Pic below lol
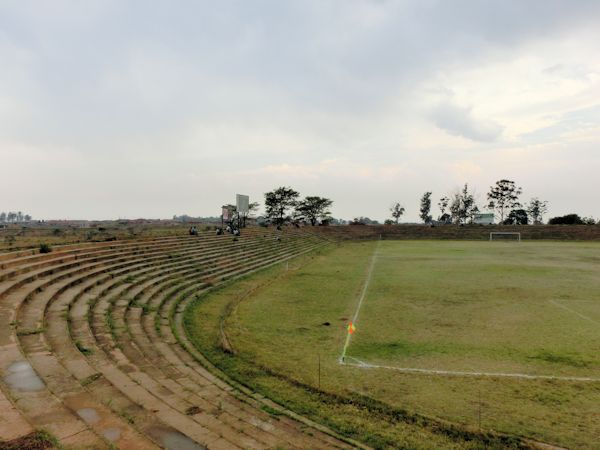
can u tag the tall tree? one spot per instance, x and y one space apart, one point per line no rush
463 206
397 210
516 217
279 202
426 207
2 217
314 208
504 196
443 204
536 210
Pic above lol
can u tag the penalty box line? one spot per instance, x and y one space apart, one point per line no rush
366 365
361 299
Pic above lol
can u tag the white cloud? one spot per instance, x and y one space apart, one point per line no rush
156 110
460 121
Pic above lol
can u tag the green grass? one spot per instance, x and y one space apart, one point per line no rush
342 408
461 306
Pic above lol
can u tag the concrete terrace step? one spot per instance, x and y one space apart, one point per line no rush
95 339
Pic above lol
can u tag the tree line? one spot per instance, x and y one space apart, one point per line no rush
14 217
503 200
284 205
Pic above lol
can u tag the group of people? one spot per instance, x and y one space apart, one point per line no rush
229 229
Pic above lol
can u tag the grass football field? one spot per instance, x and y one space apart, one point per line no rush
490 336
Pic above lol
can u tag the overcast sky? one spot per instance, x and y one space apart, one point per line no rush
133 109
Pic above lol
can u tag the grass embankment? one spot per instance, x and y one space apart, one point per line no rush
297 316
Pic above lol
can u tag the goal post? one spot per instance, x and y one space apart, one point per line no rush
505 236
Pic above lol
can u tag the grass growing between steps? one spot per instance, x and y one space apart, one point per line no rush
39 440
352 414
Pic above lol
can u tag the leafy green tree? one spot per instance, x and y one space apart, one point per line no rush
314 209
279 203
504 196
443 205
397 210
463 206
536 210
253 207
568 219
517 217
363 221
425 207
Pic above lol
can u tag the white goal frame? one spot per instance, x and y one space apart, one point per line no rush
505 233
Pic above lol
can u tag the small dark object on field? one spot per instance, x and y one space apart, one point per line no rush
192 410
45 248
326 324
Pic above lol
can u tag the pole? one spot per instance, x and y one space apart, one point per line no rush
479 411
319 371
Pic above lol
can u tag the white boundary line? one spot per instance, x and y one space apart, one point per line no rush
365 365
566 308
361 298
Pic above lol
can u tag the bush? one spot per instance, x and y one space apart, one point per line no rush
569 219
45 248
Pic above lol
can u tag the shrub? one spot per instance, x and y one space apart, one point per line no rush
45 248
569 219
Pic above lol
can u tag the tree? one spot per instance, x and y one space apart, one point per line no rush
314 208
463 206
253 207
279 202
425 207
569 219
11 216
27 217
397 210
536 210
363 221
2 217
517 217
443 204
504 196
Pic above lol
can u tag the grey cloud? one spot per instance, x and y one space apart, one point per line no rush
460 121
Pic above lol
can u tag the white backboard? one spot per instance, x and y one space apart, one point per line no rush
242 202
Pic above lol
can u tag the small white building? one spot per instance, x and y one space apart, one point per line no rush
483 218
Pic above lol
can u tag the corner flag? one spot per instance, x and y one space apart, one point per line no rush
351 328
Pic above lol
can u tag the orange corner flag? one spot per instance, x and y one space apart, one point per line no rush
351 328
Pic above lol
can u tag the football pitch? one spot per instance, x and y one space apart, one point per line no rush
522 310
497 336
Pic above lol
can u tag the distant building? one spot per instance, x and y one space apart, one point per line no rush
483 218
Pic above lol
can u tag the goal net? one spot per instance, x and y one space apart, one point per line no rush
505 236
